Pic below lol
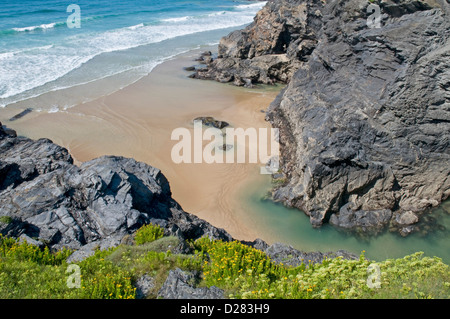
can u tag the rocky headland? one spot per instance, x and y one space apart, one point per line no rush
48 200
364 118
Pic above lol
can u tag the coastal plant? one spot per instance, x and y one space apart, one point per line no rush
245 272
27 271
225 264
23 251
6 219
413 276
148 233
101 279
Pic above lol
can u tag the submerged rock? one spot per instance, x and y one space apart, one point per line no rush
212 122
21 114
371 222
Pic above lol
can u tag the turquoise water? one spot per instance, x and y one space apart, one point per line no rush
291 226
39 53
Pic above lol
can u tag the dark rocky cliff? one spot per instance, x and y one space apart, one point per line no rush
365 116
46 199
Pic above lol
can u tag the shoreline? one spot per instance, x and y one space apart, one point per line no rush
137 122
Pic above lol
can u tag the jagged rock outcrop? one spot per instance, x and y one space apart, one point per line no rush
365 118
45 197
365 123
144 285
270 49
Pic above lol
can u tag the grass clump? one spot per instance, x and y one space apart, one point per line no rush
6 219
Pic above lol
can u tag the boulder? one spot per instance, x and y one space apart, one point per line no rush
287 255
372 222
180 285
211 122
406 218
144 286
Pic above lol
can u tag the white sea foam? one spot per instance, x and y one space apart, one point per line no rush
28 69
257 5
185 18
6 55
35 27
137 26
54 109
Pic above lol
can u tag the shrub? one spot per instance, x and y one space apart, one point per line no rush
26 271
22 251
226 264
6 219
148 233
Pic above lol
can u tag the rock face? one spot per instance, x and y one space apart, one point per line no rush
289 256
180 285
365 122
144 285
365 118
45 197
270 49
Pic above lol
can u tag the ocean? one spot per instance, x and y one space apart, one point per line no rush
51 45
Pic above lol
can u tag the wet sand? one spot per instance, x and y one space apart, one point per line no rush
137 121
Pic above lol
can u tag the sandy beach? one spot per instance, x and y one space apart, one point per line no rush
137 121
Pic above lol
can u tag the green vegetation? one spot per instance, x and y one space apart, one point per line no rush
6 219
148 233
246 272
27 271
